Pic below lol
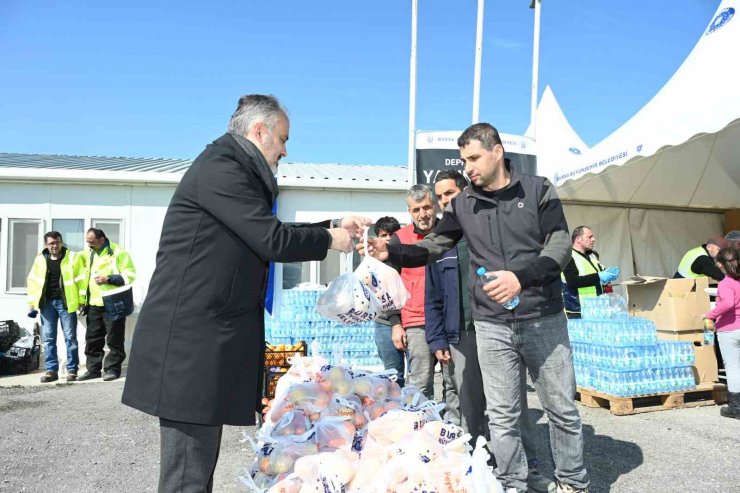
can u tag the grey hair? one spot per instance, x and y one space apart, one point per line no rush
255 108
419 192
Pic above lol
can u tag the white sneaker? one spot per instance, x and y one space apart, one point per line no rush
566 488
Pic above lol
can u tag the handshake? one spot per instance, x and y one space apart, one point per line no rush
609 275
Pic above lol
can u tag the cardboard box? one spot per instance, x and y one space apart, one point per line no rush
675 305
705 366
692 336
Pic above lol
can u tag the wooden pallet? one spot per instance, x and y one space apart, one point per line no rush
705 394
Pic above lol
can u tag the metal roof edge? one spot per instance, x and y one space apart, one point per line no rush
89 176
342 184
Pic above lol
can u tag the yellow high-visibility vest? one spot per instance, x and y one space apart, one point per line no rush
684 267
111 260
73 279
585 268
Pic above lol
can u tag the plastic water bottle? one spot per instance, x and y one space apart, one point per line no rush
486 278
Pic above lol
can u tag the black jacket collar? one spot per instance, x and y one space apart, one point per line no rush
249 150
478 193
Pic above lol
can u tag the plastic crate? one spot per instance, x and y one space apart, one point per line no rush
271 380
10 332
20 360
277 364
279 355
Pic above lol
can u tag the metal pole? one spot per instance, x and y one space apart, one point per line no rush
535 67
412 95
478 56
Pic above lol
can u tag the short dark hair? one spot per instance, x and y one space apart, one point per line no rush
98 233
485 133
577 233
388 224
728 259
53 234
452 174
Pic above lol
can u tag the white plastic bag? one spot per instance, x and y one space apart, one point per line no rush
349 301
383 281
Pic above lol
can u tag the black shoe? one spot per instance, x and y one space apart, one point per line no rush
88 375
49 376
111 375
731 410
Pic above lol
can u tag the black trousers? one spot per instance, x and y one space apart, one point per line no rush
101 331
188 456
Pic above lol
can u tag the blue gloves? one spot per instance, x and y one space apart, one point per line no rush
609 275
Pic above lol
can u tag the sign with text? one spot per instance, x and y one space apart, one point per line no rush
436 151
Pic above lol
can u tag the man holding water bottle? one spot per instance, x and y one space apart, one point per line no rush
515 228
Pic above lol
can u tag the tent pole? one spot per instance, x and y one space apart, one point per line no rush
412 95
535 67
478 57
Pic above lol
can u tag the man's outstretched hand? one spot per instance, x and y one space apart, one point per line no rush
377 248
355 225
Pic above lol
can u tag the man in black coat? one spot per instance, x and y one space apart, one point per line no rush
197 351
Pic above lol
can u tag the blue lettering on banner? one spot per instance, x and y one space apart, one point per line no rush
575 150
592 166
721 19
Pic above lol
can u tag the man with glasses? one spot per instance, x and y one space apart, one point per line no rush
55 285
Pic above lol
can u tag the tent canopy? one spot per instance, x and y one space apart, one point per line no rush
681 150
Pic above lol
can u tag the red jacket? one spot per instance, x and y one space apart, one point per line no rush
412 314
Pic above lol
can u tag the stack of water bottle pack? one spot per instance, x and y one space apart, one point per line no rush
298 321
620 355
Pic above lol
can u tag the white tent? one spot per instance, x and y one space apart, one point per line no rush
671 169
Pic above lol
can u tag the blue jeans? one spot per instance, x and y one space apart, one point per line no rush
391 357
542 345
51 312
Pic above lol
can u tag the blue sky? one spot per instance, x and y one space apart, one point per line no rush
160 79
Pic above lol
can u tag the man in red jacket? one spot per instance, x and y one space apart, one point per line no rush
409 335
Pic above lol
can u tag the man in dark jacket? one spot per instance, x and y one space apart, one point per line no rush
584 276
450 334
699 261
516 230
198 349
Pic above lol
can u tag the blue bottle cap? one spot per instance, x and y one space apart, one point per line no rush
481 271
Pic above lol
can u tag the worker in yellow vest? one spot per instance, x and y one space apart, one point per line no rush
699 261
584 276
110 272
55 285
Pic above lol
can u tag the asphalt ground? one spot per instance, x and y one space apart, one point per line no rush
79 438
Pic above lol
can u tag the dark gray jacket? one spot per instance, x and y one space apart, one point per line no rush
520 228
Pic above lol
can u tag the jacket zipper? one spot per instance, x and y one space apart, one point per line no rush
503 253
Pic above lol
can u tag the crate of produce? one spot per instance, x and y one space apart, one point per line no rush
279 355
277 362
